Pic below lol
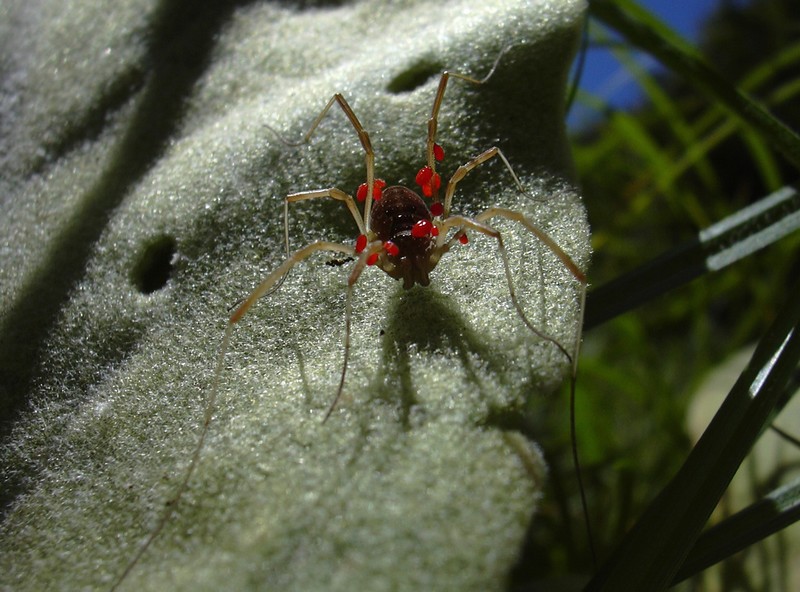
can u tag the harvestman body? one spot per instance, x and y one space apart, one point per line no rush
400 234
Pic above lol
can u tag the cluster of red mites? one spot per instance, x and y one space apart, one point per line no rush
377 190
429 182
388 246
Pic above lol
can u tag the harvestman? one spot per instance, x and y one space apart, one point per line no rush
398 233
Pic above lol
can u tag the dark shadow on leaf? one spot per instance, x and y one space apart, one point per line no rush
424 320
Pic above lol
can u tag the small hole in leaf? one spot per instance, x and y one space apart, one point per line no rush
413 77
155 265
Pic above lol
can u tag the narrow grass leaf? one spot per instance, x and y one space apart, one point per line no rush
696 71
654 550
776 511
750 229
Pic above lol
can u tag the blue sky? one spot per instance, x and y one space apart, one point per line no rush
606 78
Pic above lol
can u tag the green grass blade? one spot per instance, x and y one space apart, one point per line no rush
696 71
735 237
776 511
654 550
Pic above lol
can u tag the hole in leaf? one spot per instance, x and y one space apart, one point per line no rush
154 267
413 77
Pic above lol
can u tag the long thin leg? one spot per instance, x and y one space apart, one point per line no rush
373 247
567 261
478 224
433 120
539 233
363 137
282 269
332 193
462 222
262 289
462 171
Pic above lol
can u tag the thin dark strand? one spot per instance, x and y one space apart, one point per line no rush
579 65
785 435
282 140
573 435
172 503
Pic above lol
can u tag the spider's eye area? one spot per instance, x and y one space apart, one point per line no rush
428 181
361 243
437 208
377 190
438 153
391 248
372 259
